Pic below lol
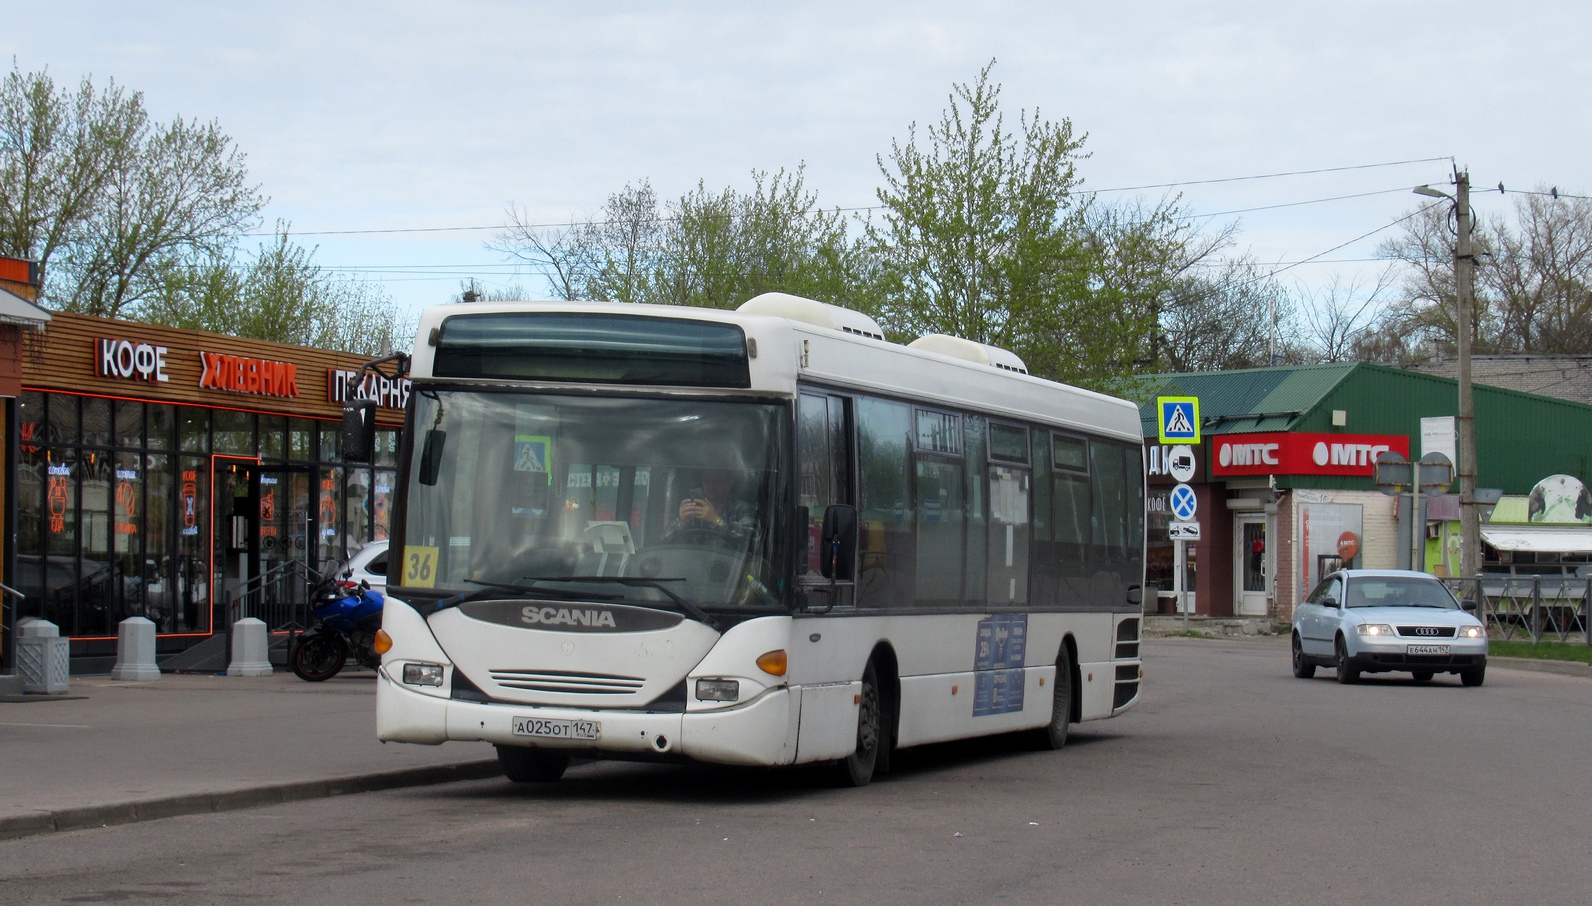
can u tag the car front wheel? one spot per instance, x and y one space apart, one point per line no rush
1347 672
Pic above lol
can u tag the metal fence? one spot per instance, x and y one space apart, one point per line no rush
279 596
1554 607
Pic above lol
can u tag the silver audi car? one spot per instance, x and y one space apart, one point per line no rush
1380 620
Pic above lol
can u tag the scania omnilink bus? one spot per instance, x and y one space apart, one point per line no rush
759 537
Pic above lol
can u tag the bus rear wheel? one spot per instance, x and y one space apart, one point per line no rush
523 764
856 769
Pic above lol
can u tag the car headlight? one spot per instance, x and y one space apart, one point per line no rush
1376 629
1470 632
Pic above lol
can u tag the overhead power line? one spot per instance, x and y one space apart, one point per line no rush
1163 185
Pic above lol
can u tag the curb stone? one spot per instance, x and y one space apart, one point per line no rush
43 821
1542 665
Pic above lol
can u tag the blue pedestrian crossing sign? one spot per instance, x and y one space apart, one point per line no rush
1178 418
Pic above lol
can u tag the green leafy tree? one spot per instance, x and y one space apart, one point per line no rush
708 249
280 294
981 235
108 201
58 151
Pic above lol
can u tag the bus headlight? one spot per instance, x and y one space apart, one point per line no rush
423 674
718 690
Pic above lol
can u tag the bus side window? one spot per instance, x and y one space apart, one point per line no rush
1010 514
887 562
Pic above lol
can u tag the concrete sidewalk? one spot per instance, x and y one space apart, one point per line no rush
185 744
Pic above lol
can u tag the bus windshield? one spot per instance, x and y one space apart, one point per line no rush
660 502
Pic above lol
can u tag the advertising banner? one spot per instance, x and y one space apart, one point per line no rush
1352 455
1329 538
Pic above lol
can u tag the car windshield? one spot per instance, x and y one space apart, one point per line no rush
1398 591
668 502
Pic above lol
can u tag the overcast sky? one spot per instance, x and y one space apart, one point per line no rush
392 115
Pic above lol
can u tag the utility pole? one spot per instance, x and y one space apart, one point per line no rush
1464 290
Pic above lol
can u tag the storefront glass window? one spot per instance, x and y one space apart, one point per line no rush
329 515
357 506
129 424
331 437
234 432
386 447
301 440
194 428
192 585
381 502
95 585
161 422
97 422
62 419
273 437
158 598
127 523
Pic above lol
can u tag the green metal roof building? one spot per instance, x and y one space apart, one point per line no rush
1520 437
1264 525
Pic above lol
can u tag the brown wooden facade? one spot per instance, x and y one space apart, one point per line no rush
63 358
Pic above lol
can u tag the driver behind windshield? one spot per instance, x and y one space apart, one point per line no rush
714 506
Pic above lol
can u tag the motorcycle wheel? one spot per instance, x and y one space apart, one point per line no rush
319 657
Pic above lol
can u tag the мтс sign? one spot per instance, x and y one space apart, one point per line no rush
1178 418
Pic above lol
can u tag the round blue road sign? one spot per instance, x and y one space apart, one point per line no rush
1184 502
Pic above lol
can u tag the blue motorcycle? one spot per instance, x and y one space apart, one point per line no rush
346 619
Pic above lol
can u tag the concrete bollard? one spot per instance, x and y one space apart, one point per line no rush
135 651
250 644
43 658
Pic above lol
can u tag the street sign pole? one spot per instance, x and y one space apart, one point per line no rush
1177 580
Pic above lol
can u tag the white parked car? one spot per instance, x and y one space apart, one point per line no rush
370 565
1380 620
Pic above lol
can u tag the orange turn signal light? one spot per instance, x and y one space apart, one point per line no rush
772 662
383 642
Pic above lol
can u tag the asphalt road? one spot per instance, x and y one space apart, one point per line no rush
1232 783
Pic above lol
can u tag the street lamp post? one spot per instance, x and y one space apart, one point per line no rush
1464 292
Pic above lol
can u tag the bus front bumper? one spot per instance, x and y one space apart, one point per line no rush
758 732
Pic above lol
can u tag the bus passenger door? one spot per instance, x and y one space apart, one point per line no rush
823 461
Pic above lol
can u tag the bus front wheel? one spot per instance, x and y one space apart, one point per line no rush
856 769
1054 736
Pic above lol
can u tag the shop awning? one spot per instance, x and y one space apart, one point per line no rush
16 310
1549 539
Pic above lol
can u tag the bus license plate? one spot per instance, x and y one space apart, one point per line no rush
1428 649
543 728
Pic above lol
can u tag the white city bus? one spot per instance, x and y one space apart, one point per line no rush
760 537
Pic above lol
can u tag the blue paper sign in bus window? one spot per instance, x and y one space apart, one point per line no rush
998 675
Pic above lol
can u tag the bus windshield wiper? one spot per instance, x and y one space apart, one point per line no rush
685 605
488 587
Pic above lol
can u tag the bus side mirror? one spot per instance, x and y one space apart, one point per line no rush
1135 595
359 431
431 456
838 555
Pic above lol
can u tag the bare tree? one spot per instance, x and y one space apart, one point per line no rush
1340 320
